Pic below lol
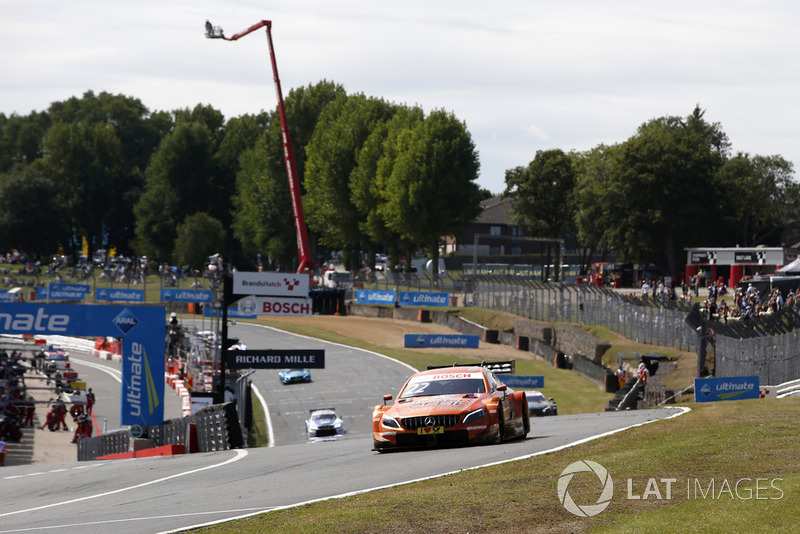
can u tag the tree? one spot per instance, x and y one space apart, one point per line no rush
664 189
27 219
431 191
263 219
761 202
198 237
83 163
374 165
594 198
182 179
343 127
544 197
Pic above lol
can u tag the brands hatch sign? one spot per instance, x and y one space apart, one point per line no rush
275 359
141 329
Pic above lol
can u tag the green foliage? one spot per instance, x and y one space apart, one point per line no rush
377 176
199 237
341 131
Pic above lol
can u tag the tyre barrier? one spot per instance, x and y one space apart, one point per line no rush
523 343
611 384
491 336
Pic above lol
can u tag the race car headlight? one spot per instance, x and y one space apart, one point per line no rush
475 415
389 421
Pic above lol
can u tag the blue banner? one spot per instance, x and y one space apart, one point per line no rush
204 296
233 313
729 388
67 291
413 298
143 346
119 295
519 381
370 296
461 341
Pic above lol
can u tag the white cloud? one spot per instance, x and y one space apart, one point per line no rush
523 75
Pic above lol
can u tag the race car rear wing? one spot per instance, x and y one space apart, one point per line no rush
318 409
507 367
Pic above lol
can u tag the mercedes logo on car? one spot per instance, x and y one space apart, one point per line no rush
430 421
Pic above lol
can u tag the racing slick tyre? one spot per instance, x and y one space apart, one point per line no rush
52 426
526 419
501 425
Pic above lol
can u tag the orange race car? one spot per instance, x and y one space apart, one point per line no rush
450 406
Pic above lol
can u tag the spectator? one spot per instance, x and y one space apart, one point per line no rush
3 447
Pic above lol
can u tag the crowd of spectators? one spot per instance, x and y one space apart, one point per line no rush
747 303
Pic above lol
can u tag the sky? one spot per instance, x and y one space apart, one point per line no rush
523 76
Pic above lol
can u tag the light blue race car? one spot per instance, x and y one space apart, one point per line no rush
292 376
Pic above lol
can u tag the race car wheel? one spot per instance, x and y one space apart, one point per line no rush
526 418
501 424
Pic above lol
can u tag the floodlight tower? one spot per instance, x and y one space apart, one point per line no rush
303 247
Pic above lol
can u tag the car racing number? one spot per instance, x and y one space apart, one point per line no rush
415 389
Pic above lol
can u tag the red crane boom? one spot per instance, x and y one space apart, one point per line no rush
307 263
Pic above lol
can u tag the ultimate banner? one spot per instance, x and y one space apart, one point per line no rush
143 345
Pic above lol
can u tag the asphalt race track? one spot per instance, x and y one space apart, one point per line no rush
169 493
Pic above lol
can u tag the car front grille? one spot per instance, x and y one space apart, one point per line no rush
413 423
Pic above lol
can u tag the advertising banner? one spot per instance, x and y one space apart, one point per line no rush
275 359
722 389
275 306
203 296
413 298
371 296
233 313
519 381
119 295
67 291
461 341
271 284
143 346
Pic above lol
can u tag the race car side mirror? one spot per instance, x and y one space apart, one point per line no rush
386 398
502 388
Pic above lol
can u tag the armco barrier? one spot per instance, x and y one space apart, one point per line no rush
217 428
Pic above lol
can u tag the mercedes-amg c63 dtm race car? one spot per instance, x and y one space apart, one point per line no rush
451 406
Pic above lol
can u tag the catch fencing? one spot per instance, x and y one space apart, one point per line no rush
217 428
651 321
767 347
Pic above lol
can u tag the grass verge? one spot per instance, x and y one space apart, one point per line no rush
734 466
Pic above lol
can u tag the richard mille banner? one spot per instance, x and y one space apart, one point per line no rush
275 359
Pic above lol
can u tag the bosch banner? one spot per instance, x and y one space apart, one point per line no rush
275 359
275 306
141 329
722 389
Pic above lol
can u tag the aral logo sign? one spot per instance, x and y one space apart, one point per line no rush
271 284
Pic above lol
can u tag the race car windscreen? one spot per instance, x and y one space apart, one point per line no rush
449 384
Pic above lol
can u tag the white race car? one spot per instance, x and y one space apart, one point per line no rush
324 423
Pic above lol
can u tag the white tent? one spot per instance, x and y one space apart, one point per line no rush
791 268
